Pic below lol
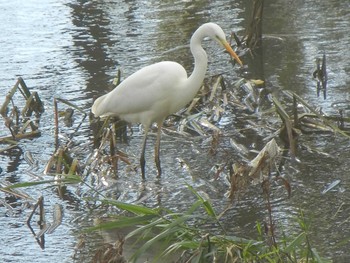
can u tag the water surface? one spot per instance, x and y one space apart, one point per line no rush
72 50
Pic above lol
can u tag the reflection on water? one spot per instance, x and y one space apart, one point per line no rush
72 49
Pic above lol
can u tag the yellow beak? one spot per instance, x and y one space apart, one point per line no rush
232 53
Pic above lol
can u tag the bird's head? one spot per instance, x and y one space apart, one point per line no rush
215 32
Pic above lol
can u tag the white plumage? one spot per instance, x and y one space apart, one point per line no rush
156 91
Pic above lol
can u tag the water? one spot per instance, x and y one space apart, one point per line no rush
72 50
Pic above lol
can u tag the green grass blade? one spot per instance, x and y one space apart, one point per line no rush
144 228
207 206
66 179
136 209
29 184
122 222
152 242
296 243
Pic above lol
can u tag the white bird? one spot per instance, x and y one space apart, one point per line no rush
156 91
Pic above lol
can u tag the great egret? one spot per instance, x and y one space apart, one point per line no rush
156 91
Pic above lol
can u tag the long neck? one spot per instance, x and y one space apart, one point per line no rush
194 82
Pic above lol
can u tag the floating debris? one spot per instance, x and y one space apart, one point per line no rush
45 227
111 252
263 163
331 186
239 148
56 218
21 122
41 222
320 74
68 117
256 171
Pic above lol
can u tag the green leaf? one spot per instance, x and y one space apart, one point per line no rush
66 179
136 209
29 184
122 222
318 258
207 206
296 243
152 242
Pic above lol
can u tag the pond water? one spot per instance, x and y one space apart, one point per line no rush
73 49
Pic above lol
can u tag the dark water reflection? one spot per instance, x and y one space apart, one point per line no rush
72 49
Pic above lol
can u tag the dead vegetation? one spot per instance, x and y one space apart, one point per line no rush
276 119
17 113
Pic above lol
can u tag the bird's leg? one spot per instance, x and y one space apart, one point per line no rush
157 147
142 159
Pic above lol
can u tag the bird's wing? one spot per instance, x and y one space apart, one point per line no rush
142 90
